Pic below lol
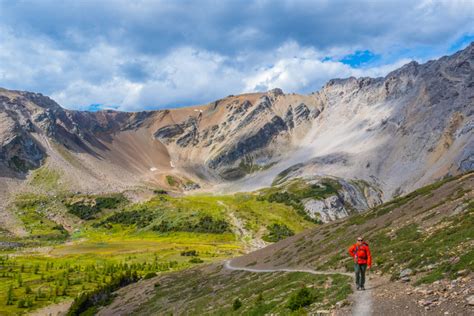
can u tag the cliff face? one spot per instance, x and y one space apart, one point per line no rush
397 132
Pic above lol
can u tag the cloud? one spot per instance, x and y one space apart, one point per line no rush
185 76
306 72
144 54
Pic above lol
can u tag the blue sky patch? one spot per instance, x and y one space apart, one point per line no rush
360 58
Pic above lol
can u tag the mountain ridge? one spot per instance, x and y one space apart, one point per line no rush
389 125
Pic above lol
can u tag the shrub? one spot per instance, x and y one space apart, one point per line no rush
189 253
87 207
206 224
140 217
160 191
196 260
237 304
171 181
277 232
149 275
10 296
292 200
303 297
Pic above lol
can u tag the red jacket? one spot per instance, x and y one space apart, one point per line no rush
361 253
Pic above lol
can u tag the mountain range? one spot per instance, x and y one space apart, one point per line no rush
394 134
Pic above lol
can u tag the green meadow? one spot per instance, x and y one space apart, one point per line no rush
76 244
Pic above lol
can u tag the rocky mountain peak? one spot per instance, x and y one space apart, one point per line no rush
276 92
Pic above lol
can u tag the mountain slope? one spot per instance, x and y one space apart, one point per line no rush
399 132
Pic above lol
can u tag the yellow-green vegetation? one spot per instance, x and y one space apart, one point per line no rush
183 183
45 178
35 212
111 239
32 281
257 213
302 189
171 181
204 214
245 293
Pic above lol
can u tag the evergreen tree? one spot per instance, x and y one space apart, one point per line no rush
10 297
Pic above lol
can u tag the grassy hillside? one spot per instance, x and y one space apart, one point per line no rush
211 290
77 243
428 231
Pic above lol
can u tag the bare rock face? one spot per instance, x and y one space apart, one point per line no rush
19 152
352 197
327 210
250 143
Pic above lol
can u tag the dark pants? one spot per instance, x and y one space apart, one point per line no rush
360 274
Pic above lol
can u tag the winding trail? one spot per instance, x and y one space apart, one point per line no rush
362 299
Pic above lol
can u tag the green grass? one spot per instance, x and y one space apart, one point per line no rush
45 178
95 256
301 189
34 212
205 214
42 280
257 293
171 181
293 192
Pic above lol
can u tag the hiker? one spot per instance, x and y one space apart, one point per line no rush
362 261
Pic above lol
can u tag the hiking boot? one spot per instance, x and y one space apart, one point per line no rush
362 288
358 288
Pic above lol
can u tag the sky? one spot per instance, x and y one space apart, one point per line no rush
143 55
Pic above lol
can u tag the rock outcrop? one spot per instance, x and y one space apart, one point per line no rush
352 197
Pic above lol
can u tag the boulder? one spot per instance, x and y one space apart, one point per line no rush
405 273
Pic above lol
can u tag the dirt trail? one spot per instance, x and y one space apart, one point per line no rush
362 300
